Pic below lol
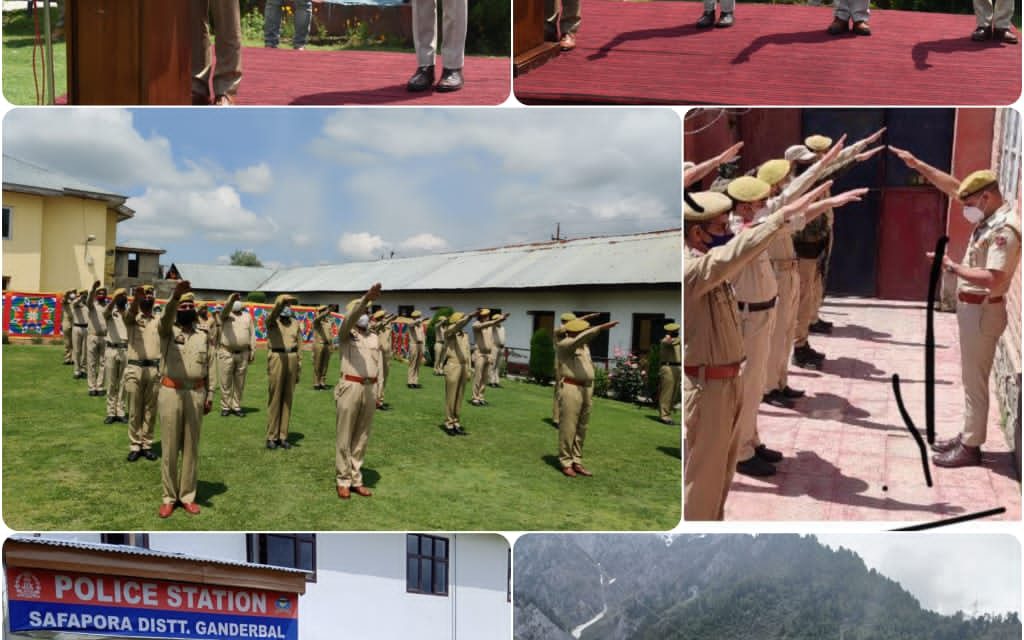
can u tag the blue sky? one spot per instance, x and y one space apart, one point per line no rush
317 186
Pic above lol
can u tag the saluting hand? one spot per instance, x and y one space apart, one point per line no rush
374 292
874 137
833 153
907 157
864 155
846 197
182 288
729 154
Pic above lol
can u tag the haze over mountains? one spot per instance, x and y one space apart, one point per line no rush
719 587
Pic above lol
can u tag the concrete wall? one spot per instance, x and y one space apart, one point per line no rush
22 261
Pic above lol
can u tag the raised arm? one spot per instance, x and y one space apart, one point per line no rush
698 171
225 311
275 313
461 324
943 181
92 293
166 325
801 183
352 315
585 336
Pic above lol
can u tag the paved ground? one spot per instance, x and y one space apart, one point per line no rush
848 454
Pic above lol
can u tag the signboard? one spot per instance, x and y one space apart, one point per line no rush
40 600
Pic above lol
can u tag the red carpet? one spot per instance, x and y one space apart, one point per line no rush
286 77
651 52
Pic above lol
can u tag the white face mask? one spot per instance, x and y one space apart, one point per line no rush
363 321
761 213
236 307
974 215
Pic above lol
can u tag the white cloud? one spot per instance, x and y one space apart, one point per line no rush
423 243
362 246
254 179
214 214
302 240
223 260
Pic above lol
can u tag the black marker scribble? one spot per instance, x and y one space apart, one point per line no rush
929 340
907 420
954 520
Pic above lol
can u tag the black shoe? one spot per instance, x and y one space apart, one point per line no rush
421 80
451 431
148 454
776 399
123 419
224 413
239 413
451 80
109 420
271 444
284 444
707 20
822 327
807 358
133 456
725 20
69 363
766 454
1006 36
791 393
411 386
460 431
755 467
981 34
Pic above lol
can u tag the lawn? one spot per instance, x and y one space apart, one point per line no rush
18 38
63 469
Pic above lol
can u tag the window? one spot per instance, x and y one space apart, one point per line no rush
7 223
426 564
1009 156
140 540
508 579
295 550
648 329
599 345
543 320
133 264
405 310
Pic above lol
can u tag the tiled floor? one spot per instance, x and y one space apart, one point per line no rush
848 454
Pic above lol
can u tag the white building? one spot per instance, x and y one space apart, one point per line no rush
373 586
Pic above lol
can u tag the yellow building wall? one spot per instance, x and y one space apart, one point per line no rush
109 268
22 260
66 254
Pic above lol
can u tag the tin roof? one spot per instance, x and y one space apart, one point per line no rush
25 177
223 277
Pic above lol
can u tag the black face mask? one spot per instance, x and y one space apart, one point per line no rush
146 305
121 304
187 317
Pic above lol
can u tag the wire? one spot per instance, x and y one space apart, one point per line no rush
37 45
721 112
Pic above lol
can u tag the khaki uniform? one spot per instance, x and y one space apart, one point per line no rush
115 359
235 350
212 328
995 244
484 341
96 343
142 377
669 375
555 410
417 340
712 337
184 388
384 344
439 349
456 370
576 373
355 397
66 329
79 334
228 74
499 353
322 339
283 367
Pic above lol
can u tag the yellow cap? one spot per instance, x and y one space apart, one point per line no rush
485 312
568 317
976 182
773 171
799 153
120 292
458 315
187 297
497 316
441 319
380 313
71 292
713 203
147 288
748 189
416 314
818 143
672 327
577 325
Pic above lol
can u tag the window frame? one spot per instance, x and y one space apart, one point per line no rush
8 212
419 557
134 262
256 550
139 540
1010 154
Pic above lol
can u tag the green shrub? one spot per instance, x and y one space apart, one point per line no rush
542 357
653 372
601 382
489 28
256 296
628 379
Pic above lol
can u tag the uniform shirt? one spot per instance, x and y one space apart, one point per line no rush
322 329
499 336
65 319
419 334
711 323
669 352
457 342
482 336
237 332
185 356
282 336
211 327
574 356
756 281
384 338
94 317
143 336
995 244
78 311
117 332
360 353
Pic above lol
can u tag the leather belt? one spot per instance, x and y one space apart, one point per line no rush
145 363
81 326
230 350
713 372
171 383
757 306
292 350
977 298
117 345
578 383
359 380
672 364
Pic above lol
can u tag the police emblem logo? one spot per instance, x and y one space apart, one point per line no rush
27 586
283 603
1000 241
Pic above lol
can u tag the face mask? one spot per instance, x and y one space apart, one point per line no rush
187 317
237 307
363 322
719 240
102 299
974 215
146 305
121 304
286 313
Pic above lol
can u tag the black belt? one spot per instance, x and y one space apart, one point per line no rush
292 350
145 363
672 364
757 306
116 345
82 326
235 350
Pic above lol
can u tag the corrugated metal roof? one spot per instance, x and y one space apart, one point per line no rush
224 277
20 175
138 551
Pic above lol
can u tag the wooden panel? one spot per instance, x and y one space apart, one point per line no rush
528 45
913 218
165 63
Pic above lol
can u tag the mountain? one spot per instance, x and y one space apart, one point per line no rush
719 587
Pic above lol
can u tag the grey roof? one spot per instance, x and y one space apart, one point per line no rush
140 247
138 551
223 277
26 177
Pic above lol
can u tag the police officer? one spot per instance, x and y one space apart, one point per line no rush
96 344
355 395
669 375
456 370
79 332
565 319
67 325
322 338
210 324
142 372
381 325
498 336
439 344
236 350
116 356
185 397
983 279
484 342
576 374
284 338
417 338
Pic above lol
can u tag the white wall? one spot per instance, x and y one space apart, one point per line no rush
482 609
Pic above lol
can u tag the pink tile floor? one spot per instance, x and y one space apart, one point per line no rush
848 455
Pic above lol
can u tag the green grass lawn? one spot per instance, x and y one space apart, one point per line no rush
18 37
63 469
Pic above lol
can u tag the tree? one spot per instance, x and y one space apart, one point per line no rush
242 258
256 296
542 357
